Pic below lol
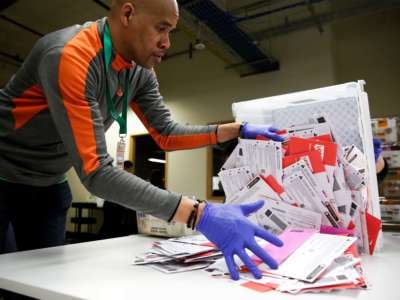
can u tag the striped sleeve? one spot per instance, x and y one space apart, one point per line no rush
69 84
149 107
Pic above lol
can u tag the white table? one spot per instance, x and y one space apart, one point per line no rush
103 270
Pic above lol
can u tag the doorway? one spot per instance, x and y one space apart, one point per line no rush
149 159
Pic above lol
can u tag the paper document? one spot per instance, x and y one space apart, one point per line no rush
233 180
233 160
171 267
195 239
255 190
314 256
292 239
263 157
308 130
277 216
179 254
179 250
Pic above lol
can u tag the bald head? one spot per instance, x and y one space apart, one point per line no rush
140 28
147 6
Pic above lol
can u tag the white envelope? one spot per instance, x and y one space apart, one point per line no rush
314 256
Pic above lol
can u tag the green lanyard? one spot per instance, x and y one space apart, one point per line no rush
121 119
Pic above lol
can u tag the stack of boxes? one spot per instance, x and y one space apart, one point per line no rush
388 131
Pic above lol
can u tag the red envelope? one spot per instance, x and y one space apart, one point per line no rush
351 225
297 145
328 149
317 165
353 251
373 228
259 287
271 181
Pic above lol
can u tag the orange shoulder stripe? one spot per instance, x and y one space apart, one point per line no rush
74 65
29 104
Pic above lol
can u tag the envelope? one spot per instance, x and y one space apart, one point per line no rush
373 227
323 137
314 157
278 188
327 149
278 216
328 152
313 257
292 239
255 190
319 172
308 130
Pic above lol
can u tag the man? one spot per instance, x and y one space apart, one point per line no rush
55 110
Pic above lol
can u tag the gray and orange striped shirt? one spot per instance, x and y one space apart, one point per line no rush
53 115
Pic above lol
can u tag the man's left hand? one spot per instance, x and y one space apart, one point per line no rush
251 131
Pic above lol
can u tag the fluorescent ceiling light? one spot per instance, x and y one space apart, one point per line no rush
157 160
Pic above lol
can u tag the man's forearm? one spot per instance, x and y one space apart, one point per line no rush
185 208
225 133
228 132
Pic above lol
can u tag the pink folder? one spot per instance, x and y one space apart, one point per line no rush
292 239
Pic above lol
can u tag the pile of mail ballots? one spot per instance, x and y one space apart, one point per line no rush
180 254
309 261
308 181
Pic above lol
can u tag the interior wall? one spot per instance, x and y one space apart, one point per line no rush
368 47
6 70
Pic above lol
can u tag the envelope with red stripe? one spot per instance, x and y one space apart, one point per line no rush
327 149
318 169
278 188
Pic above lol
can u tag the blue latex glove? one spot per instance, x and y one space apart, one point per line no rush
228 228
377 148
250 131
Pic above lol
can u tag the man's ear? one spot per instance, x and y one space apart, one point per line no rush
127 13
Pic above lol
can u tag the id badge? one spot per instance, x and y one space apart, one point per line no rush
120 157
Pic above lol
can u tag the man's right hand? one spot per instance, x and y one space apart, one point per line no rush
227 226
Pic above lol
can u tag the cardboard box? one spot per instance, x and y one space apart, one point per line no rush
386 129
390 211
154 226
391 188
392 156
